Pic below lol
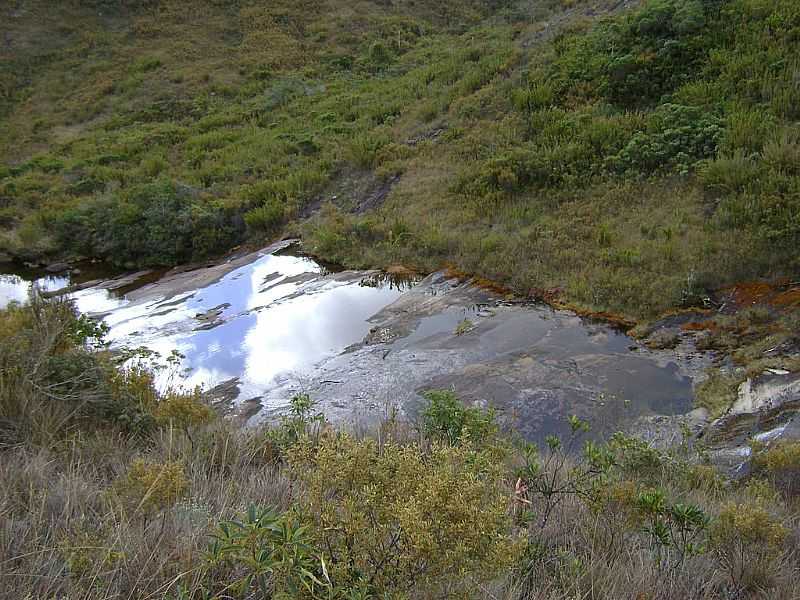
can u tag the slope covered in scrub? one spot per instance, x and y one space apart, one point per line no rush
636 161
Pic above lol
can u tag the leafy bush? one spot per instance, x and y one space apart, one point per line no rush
47 344
447 419
303 422
395 518
636 60
153 224
271 552
676 139
676 531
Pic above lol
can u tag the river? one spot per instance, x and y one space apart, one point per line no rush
260 327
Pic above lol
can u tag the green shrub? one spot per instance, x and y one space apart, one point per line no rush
748 540
379 55
363 150
747 130
782 154
537 95
274 551
781 464
184 411
157 223
676 139
447 419
265 219
636 60
303 422
676 531
397 518
729 174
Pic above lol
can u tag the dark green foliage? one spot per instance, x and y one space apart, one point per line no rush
273 549
265 219
151 224
636 60
676 139
447 418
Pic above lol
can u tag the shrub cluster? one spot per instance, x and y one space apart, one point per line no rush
449 506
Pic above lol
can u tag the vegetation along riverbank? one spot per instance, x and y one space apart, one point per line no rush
111 489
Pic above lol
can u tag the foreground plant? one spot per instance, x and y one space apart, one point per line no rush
271 551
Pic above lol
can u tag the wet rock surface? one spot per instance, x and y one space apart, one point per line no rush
535 365
767 410
260 327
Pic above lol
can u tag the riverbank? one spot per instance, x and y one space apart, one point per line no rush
493 138
534 363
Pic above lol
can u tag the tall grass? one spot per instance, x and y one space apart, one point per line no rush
94 504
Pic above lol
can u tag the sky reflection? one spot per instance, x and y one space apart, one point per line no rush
276 317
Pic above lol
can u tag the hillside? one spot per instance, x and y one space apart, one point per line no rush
635 161
639 159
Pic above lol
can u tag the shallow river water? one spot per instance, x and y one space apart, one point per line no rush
265 326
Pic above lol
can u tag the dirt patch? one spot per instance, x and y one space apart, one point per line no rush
377 197
352 191
426 136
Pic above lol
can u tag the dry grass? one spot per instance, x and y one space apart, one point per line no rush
65 534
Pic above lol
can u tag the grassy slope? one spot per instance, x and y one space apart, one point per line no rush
567 161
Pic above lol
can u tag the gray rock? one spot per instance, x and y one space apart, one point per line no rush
58 267
663 338
769 391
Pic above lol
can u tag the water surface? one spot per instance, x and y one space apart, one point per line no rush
275 317
278 323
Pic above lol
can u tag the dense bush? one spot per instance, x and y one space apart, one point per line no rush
56 376
676 139
152 224
636 60
395 518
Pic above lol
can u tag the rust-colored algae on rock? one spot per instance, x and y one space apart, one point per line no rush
709 325
451 272
788 299
401 270
751 293
612 319
781 294
550 296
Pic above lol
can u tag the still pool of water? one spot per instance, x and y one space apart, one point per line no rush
277 323
17 287
274 317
